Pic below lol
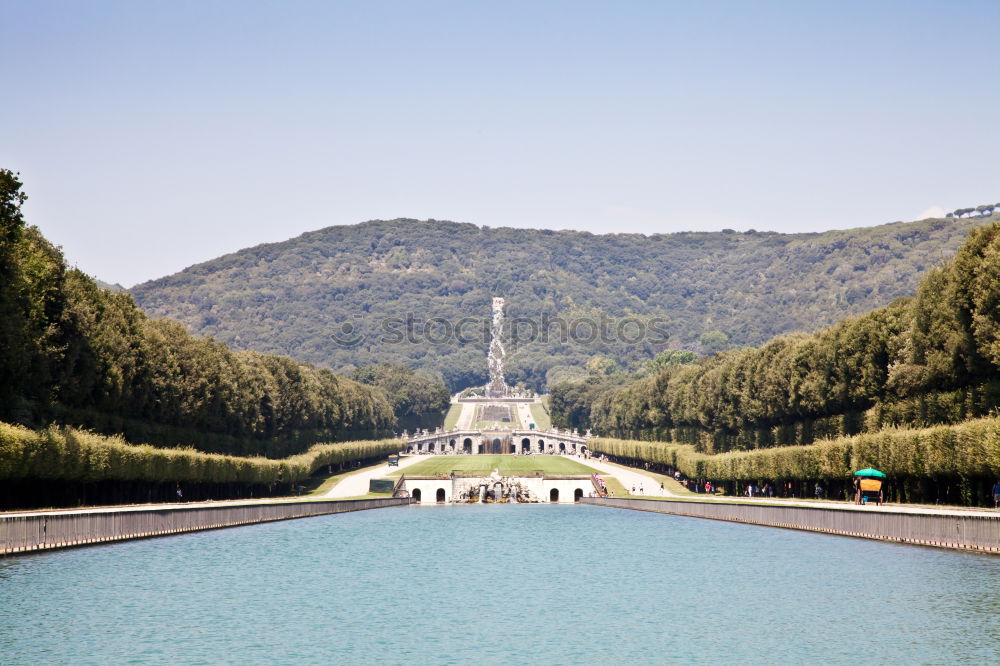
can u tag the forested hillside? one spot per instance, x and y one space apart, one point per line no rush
75 354
313 296
934 358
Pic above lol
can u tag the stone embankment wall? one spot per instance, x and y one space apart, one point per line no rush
45 530
958 529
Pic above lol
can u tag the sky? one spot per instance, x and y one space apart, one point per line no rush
154 135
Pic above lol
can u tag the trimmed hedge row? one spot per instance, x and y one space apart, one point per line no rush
78 455
966 449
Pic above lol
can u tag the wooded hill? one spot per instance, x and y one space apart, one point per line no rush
74 354
930 359
305 296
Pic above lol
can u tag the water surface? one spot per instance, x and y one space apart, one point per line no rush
500 584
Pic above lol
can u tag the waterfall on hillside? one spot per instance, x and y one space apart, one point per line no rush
497 388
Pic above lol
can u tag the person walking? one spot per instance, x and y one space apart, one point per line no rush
996 494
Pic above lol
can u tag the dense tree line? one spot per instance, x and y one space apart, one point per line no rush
418 401
983 210
934 358
397 289
73 353
66 467
951 464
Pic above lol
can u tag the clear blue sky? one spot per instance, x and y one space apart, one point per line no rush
153 135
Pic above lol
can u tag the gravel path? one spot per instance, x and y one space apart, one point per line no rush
357 484
651 488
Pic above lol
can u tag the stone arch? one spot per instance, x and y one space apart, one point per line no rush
430 447
578 494
416 495
525 445
451 443
467 445
554 495
439 496
562 447
541 446
512 447
495 448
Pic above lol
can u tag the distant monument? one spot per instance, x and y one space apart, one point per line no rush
497 388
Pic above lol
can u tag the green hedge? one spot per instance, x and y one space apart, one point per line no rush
78 455
967 449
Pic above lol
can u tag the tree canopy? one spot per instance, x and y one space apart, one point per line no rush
418 293
73 353
933 358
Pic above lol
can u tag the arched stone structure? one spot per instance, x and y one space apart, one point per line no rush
554 495
578 494
525 445
467 445
416 495
439 496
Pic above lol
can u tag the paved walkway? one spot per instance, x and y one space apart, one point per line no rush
651 488
357 484
524 415
466 416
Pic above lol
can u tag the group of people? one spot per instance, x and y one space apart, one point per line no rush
753 490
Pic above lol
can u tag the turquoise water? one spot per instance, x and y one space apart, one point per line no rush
500 584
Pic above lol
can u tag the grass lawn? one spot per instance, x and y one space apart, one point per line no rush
451 419
541 416
614 486
508 465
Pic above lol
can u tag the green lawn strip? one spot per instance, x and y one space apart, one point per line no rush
614 486
451 419
541 416
484 464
